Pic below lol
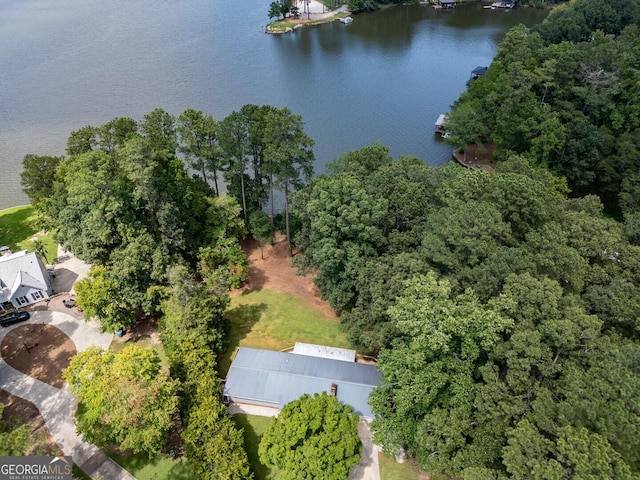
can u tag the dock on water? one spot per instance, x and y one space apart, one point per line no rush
441 125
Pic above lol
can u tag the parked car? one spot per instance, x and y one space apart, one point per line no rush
13 317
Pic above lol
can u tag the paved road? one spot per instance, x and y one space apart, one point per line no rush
57 405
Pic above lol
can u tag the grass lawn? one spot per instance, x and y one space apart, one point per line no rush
275 321
145 342
18 226
254 427
392 470
281 26
158 467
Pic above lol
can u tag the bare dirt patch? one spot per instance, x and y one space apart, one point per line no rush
272 269
476 156
144 328
40 351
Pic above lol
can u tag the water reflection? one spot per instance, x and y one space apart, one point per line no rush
386 77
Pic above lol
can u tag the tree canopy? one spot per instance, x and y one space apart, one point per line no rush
314 437
124 399
492 299
563 96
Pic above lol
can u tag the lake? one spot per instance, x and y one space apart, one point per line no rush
65 64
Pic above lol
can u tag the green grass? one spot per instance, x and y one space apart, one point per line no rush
18 225
156 467
281 26
275 321
392 470
253 429
145 342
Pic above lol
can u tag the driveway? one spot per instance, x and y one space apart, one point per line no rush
57 405
369 467
68 269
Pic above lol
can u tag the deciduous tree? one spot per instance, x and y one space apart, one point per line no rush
100 297
123 398
314 438
37 178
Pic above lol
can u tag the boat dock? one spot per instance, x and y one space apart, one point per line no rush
440 125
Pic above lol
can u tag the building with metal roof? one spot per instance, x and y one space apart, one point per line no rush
313 350
273 379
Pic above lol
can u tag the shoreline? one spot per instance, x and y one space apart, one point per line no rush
290 24
320 17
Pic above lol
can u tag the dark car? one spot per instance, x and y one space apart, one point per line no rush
13 317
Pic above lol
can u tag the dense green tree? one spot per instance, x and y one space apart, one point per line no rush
279 9
234 140
159 129
126 202
199 144
114 134
567 106
14 438
290 155
227 256
100 297
564 23
362 5
139 413
342 225
406 184
363 162
379 282
192 330
312 437
214 446
136 266
82 140
261 229
90 203
429 377
37 178
192 313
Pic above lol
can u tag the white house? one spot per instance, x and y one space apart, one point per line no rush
23 279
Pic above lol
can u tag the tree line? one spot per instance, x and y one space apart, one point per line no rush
564 94
143 202
502 305
504 313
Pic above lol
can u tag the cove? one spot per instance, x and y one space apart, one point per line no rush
386 77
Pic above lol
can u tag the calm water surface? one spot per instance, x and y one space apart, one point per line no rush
65 64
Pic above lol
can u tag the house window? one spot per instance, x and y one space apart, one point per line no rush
37 296
22 300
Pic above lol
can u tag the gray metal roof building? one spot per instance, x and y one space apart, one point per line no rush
273 379
323 351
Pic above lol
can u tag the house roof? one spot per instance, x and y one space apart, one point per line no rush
479 71
277 378
22 268
323 351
